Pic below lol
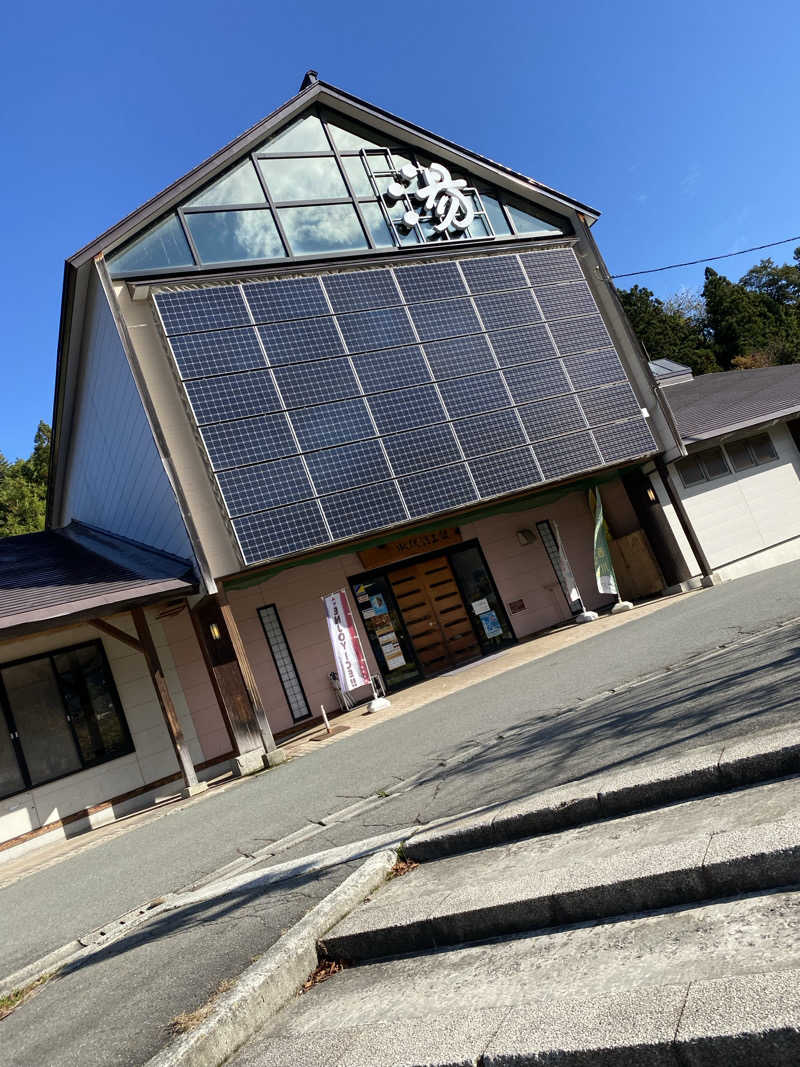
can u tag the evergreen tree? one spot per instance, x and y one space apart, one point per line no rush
674 330
754 322
23 488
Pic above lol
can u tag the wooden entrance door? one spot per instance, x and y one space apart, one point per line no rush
435 615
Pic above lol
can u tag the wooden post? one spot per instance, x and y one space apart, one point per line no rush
148 648
247 672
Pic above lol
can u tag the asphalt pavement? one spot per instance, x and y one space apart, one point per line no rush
531 727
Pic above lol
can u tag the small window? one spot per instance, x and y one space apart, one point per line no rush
690 471
751 452
713 462
739 455
284 663
762 448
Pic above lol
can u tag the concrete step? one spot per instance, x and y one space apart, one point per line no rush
697 850
751 1019
707 770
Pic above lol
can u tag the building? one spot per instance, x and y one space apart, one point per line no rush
740 482
341 353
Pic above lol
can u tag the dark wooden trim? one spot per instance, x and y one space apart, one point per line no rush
247 671
201 640
118 635
84 813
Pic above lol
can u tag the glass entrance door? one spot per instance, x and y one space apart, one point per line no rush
431 614
391 644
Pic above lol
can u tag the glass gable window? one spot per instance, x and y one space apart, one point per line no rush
61 714
323 186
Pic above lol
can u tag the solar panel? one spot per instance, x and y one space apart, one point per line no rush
551 266
216 352
293 298
505 471
459 355
350 356
368 330
561 301
507 309
304 384
536 381
406 409
363 509
580 335
566 455
361 290
624 440
266 485
391 369
192 310
444 318
612 402
468 396
430 446
559 415
437 490
231 444
277 533
332 424
291 342
429 281
489 433
232 396
595 368
523 344
349 465
493 272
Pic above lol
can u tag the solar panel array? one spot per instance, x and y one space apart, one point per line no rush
336 405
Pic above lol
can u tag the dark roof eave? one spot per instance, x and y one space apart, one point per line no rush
163 200
46 618
734 427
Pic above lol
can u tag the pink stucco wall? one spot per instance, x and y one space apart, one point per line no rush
520 572
197 689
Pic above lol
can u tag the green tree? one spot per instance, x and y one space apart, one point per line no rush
23 488
675 329
756 321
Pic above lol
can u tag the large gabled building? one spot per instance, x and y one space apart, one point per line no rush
347 353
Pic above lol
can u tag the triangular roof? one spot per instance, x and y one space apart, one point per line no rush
321 93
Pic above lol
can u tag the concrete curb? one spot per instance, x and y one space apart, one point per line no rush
263 989
711 769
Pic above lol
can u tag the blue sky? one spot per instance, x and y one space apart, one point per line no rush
678 121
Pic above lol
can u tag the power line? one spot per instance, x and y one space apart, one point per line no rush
708 259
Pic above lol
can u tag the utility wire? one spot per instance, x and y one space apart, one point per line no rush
709 259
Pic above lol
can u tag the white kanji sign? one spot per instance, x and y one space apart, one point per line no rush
441 195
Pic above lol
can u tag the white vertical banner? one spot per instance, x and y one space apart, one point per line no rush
351 664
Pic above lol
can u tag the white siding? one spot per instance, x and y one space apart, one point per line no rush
115 477
153 757
743 518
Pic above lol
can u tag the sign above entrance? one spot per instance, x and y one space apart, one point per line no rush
415 545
